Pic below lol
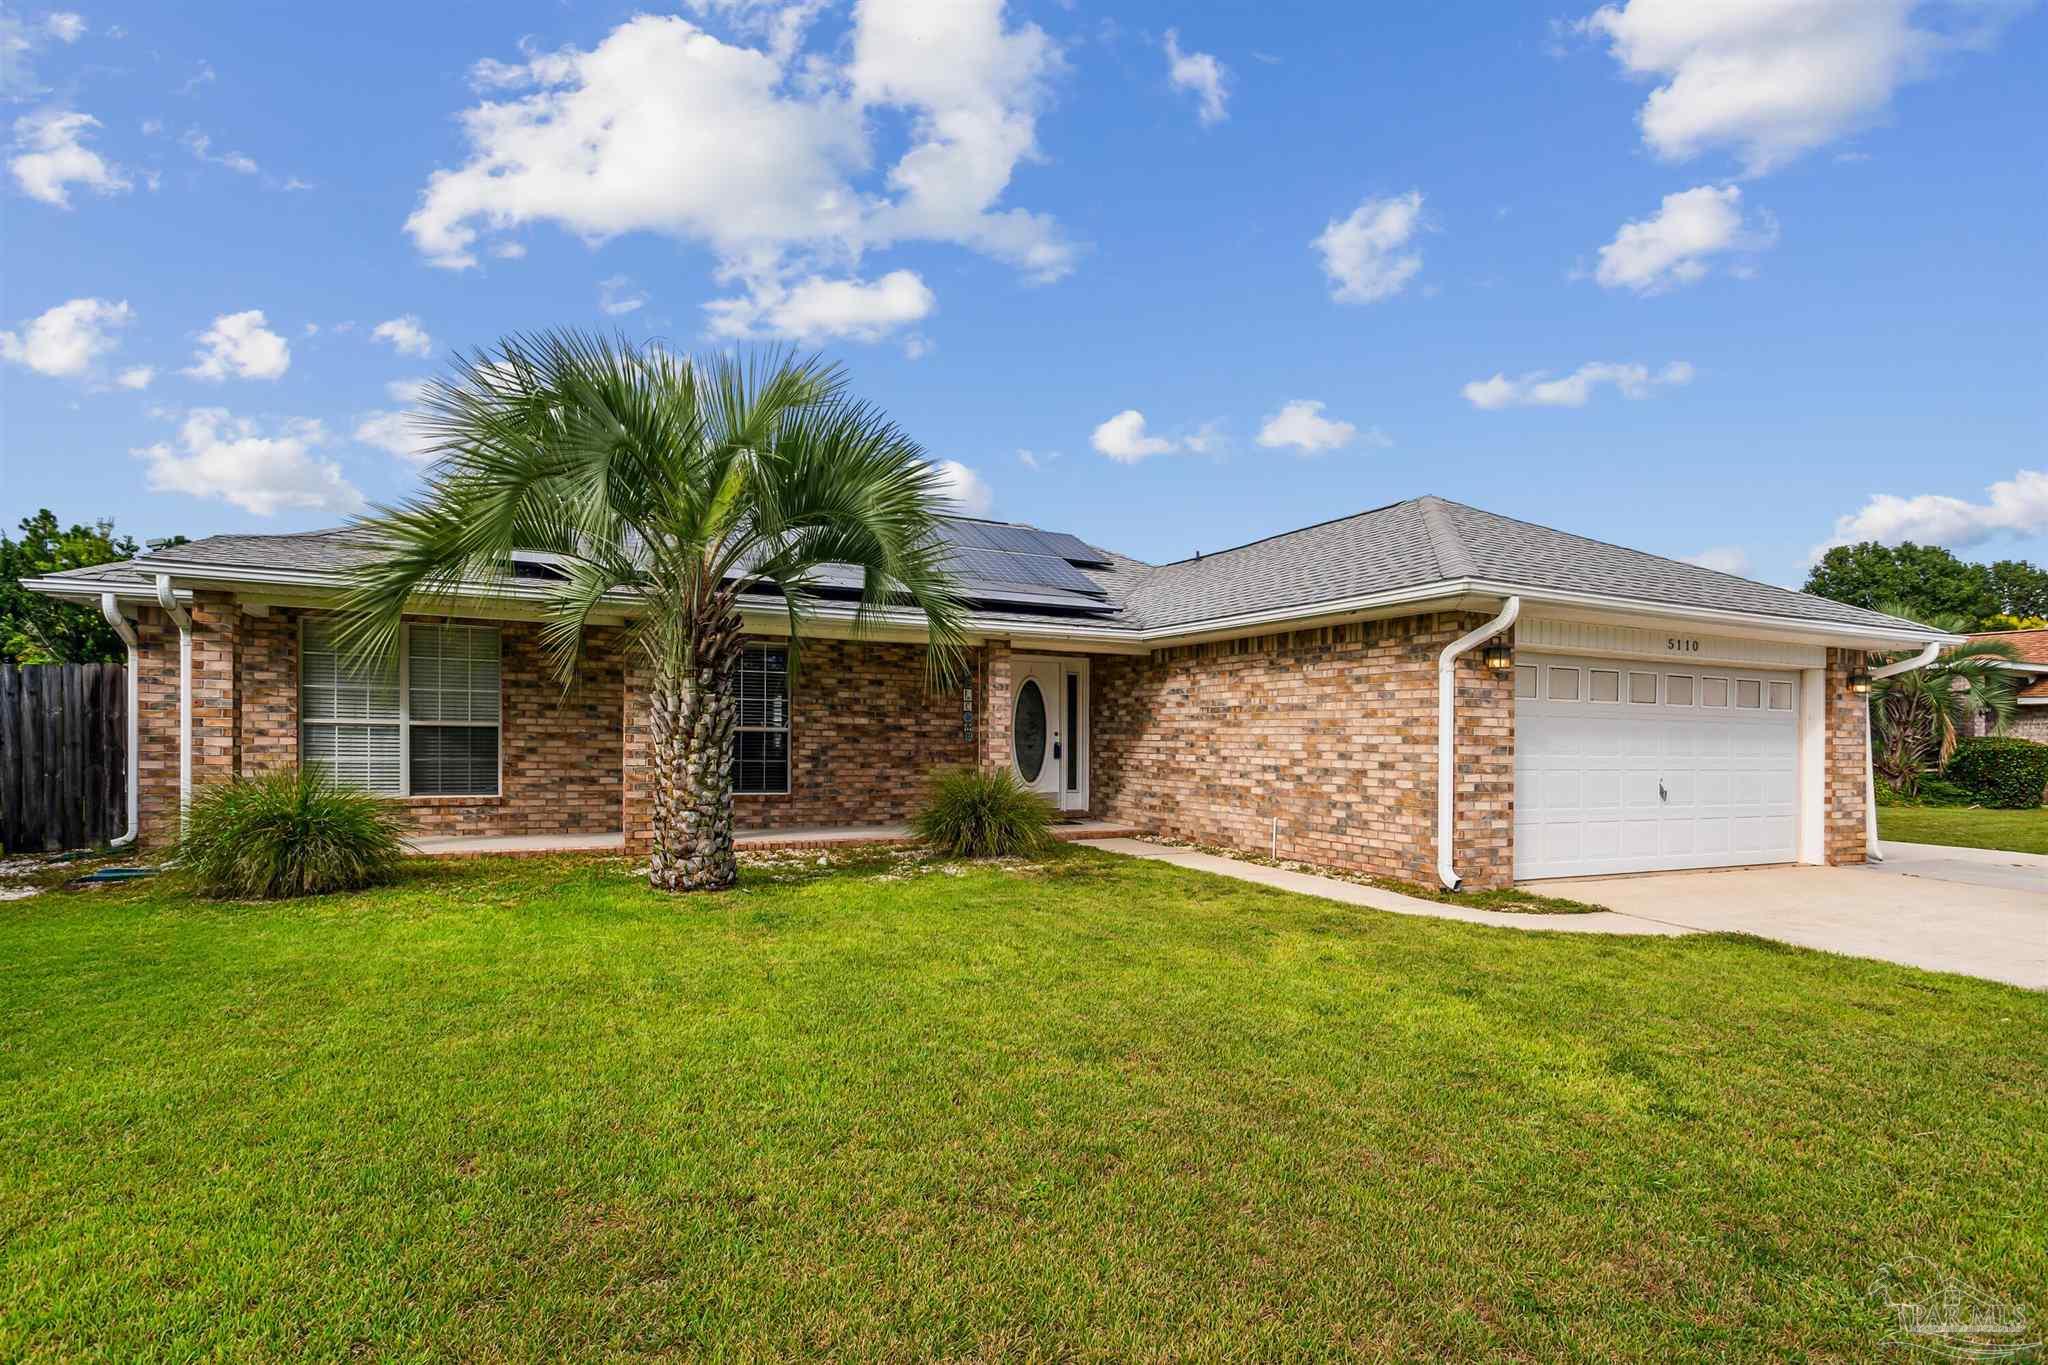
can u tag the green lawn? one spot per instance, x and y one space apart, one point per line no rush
1091 1109
2016 831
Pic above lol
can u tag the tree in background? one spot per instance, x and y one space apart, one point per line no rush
1925 579
38 630
2022 591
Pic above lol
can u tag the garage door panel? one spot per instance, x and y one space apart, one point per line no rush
1658 778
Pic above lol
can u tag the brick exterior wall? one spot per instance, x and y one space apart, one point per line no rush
1331 731
1847 719
865 731
559 753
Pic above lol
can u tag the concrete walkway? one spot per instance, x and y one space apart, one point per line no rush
1971 911
1351 893
758 841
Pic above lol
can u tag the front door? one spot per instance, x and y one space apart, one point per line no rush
1049 728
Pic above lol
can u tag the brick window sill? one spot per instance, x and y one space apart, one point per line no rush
453 800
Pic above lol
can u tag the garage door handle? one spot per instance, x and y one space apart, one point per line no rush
1662 795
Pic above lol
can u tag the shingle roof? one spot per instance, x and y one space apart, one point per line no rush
2030 645
1426 540
1405 545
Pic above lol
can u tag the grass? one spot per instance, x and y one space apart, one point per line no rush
1507 898
2016 831
1090 1108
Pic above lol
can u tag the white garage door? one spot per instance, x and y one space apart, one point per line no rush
1628 767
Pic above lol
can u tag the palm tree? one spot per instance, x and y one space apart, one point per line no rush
664 487
1917 717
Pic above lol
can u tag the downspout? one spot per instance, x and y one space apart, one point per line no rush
1447 735
168 600
110 607
1920 660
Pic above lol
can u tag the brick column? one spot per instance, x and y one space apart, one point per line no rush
1847 719
216 691
992 706
156 690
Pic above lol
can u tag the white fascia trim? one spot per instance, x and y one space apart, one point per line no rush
1443 591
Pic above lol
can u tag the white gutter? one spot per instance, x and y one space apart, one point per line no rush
1447 737
110 607
1920 660
168 600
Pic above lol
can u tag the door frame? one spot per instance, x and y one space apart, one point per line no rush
1055 674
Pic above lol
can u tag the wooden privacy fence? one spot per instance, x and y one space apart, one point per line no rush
63 755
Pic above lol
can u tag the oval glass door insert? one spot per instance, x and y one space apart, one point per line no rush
1027 730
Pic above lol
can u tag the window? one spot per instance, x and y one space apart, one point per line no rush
1713 691
1642 689
1604 686
1678 689
1564 684
1781 696
1749 694
760 743
1525 680
423 724
451 690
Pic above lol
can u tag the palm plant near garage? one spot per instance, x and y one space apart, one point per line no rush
664 488
1917 717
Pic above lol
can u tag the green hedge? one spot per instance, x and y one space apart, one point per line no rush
2010 774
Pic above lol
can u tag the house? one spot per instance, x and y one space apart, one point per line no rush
2032 665
1422 691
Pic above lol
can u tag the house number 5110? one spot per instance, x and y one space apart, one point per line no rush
1674 644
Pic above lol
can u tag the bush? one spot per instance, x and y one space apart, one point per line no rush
977 814
1935 791
293 832
2009 774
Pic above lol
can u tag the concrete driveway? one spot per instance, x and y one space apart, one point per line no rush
1946 909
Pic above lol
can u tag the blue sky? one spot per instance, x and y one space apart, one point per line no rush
1707 280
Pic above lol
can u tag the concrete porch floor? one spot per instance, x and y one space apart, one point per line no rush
757 841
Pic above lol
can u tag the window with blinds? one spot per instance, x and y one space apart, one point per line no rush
451 691
349 719
424 725
760 751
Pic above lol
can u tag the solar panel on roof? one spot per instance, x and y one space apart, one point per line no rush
999 566
1028 540
1073 549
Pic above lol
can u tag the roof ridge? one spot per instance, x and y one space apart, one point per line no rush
1453 560
1203 557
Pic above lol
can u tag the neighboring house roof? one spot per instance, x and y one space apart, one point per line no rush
1408 548
2032 648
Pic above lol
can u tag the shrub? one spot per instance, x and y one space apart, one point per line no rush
2006 773
1935 791
977 814
293 832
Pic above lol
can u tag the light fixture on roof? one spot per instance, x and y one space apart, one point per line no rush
1500 656
1859 683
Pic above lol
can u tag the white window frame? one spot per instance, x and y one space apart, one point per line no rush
405 720
787 729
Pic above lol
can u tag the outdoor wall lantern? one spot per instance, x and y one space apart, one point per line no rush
1859 683
1499 657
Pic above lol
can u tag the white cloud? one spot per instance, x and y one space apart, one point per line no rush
1300 424
766 155
50 154
202 76
219 455
64 342
509 251
1723 559
2017 506
405 334
64 26
617 297
1037 460
1124 439
819 309
965 491
242 346
1539 389
201 147
396 433
1363 255
1200 73
1671 247
136 377
1772 79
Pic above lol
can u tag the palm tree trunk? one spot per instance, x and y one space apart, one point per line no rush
692 713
